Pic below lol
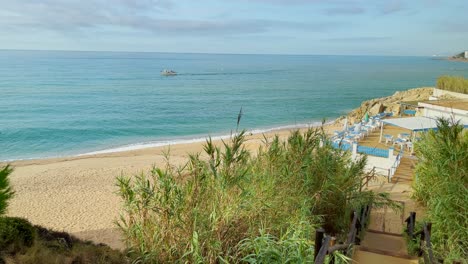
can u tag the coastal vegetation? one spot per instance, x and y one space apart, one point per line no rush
22 242
442 186
459 56
6 193
232 205
453 83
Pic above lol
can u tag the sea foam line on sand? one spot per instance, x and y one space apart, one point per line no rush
152 144
161 143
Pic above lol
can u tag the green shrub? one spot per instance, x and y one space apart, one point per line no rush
15 234
413 245
5 190
442 186
294 246
47 246
453 83
228 205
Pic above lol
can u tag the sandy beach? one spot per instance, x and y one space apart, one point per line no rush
78 194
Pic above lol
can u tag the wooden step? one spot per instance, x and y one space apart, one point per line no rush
405 171
386 220
383 233
366 257
381 243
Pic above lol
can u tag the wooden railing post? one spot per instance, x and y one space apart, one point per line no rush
411 221
352 233
427 230
357 239
322 242
319 234
421 243
368 207
320 259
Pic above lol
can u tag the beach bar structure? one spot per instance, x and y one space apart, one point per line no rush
456 110
451 109
415 124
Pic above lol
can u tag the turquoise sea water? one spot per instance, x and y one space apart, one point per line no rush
69 103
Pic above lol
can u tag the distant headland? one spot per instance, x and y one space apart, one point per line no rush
462 56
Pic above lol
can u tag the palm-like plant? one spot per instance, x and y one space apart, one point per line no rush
6 193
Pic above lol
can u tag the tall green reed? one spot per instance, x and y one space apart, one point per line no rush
453 83
442 186
228 205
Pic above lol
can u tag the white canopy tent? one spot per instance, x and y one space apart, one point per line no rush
415 124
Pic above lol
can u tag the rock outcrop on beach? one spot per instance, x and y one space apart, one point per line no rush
389 103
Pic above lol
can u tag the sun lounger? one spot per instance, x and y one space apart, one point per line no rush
400 142
388 139
409 145
368 129
339 133
404 136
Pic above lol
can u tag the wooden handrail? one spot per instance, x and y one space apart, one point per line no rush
388 172
427 238
424 238
319 234
322 245
411 222
367 179
352 229
395 165
323 251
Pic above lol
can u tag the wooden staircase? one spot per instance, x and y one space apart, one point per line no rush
383 242
405 171
382 247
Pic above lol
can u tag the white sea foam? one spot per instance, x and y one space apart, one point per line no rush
161 143
152 144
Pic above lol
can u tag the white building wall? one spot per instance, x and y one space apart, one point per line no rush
466 54
384 163
447 113
439 92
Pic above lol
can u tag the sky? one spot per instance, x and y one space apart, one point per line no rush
341 27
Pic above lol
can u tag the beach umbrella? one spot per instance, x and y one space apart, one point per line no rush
366 117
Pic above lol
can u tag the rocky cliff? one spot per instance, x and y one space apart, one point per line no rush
389 103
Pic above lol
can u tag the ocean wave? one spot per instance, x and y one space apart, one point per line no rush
161 143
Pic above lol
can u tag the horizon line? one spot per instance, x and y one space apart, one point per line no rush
220 53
